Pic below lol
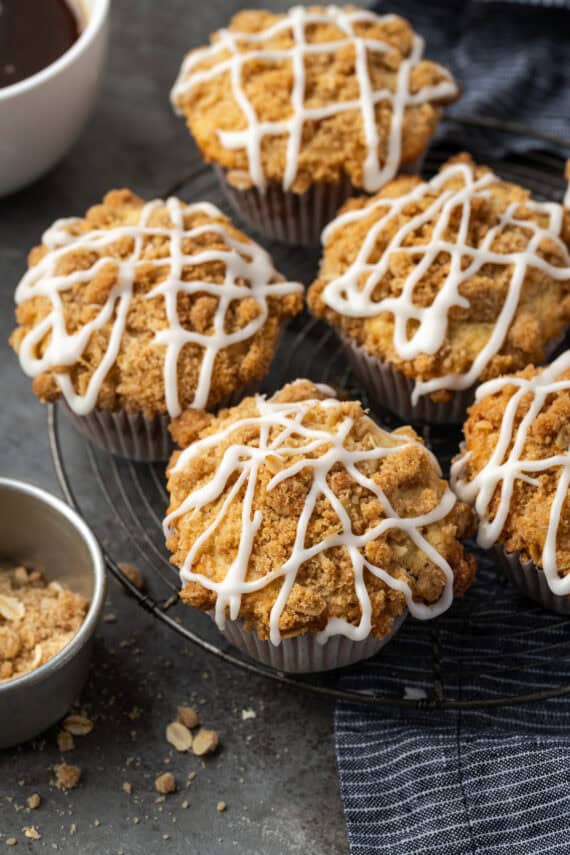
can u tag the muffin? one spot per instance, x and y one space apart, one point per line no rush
435 286
515 470
308 531
297 110
139 311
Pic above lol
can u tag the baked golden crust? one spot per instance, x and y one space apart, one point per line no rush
332 147
135 381
324 586
529 509
543 310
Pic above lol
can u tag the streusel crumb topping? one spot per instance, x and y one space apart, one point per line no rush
516 463
312 95
486 292
149 307
326 495
37 620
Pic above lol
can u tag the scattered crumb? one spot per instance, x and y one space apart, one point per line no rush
136 820
77 725
34 801
191 776
31 832
66 777
205 742
221 806
72 828
248 713
133 574
178 735
110 617
135 713
188 717
127 787
165 783
65 741
11 841
96 823
185 804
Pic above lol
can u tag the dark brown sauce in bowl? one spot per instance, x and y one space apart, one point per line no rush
33 34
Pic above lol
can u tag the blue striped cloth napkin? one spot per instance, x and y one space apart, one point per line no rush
477 780
511 58
473 781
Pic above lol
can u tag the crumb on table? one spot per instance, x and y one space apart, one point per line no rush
66 777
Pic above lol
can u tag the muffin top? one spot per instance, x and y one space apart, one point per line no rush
151 308
298 514
313 95
515 467
451 281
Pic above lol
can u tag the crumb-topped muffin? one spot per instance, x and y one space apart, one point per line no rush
319 97
515 470
437 285
298 517
147 309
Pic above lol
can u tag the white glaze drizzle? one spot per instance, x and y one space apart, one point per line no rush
243 261
506 465
237 475
347 296
296 21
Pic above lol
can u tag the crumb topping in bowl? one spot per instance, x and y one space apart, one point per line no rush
37 620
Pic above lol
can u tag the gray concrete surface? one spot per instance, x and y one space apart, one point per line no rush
277 771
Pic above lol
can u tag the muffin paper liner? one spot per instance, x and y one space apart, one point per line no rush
531 581
297 218
134 437
393 389
303 653
385 384
125 434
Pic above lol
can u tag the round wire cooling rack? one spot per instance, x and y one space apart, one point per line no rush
492 648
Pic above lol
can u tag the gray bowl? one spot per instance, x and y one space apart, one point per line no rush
39 530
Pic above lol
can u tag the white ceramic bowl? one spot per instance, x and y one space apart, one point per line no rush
41 116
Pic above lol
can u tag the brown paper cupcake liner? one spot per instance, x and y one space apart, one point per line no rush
531 581
134 437
124 434
393 389
414 167
389 387
296 218
304 654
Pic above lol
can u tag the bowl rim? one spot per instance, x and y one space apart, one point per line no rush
95 21
91 620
